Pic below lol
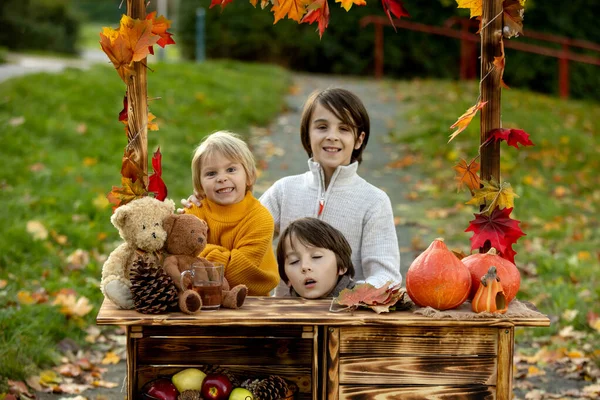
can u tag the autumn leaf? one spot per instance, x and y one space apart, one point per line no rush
222 3
159 27
111 358
318 11
500 64
155 182
294 9
37 230
465 119
118 51
138 35
512 136
71 306
499 229
513 16
493 195
130 169
347 4
127 192
367 295
394 7
475 6
123 113
467 174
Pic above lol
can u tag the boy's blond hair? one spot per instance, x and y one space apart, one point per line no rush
229 145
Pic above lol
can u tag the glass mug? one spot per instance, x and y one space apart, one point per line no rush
207 282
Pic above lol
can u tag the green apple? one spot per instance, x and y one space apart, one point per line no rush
188 379
240 394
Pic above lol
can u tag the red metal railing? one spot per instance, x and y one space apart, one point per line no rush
468 46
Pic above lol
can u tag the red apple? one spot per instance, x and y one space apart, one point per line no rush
216 387
160 389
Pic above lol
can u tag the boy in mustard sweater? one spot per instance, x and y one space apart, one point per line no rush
240 229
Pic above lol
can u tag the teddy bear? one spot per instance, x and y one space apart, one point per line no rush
140 225
186 237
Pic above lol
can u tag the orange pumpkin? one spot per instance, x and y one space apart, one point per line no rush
490 296
437 278
479 264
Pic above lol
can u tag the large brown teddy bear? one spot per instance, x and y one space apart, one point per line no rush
140 225
186 237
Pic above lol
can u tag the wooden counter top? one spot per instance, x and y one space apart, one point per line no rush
264 311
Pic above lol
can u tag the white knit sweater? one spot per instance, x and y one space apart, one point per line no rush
362 212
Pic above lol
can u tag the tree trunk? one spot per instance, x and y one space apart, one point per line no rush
137 100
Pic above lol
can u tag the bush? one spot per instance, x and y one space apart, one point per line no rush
48 25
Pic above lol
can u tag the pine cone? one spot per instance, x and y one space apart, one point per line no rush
217 369
272 388
152 289
189 395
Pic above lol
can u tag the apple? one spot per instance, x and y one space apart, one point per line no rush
216 387
160 389
188 379
240 393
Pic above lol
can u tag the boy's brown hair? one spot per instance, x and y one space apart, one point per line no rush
316 233
346 106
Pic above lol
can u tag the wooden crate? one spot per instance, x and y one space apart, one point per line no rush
359 355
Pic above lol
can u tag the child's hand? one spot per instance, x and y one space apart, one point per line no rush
194 199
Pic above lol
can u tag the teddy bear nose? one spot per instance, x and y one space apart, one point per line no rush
154 235
200 239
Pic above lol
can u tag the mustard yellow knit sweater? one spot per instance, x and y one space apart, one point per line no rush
240 237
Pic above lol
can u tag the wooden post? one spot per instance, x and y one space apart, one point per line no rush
490 87
137 100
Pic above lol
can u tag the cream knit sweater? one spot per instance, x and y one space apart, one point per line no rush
362 212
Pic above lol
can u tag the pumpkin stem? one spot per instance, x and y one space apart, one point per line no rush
441 239
492 252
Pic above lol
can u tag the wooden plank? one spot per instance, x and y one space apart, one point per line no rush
131 363
506 344
395 370
475 392
249 351
280 332
315 366
333 362
277 311
424 341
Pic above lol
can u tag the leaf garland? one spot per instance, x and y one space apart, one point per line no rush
492 225
130 43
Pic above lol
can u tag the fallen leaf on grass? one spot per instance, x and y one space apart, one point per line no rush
37 230
111 358
71 306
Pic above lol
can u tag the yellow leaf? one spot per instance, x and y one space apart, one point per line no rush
25 297
294 9
3 283
90 161
139 36
71 306
474 5
111 358
584 255
48 377
37 230
575 354
153 126
464 120
491 195
100 202
347 4
535 371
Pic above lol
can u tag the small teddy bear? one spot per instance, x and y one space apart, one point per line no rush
186 237
140 225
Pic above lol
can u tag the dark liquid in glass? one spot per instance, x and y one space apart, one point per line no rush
210 294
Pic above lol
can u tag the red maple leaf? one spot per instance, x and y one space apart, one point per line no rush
512 136
318 11
222 3
394 7
155 182
123 113
159 27
498 228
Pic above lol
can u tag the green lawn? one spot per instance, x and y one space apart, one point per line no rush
61 148
557 181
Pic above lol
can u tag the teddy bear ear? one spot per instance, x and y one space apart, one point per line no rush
120 216
169 222
169 205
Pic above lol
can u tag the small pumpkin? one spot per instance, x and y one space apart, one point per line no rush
479 264
490 296
437 278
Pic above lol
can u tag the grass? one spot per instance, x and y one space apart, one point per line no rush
62 145
557 181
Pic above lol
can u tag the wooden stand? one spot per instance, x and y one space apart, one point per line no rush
358 355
